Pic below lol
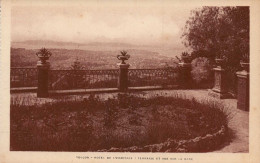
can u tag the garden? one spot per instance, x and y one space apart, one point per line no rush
130 122
122 123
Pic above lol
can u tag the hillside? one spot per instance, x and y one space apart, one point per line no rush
64 58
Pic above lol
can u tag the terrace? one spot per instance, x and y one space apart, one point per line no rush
165 85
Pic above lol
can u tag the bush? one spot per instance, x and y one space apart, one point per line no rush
201 72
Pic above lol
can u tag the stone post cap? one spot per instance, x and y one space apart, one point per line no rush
123 65
218 69
183 64
43 65
242 74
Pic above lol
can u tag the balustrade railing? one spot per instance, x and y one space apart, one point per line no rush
23 77
152 77
82 79
88 79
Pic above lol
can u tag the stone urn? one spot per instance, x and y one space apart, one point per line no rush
185 57
220 62
123 57
43 55
245 65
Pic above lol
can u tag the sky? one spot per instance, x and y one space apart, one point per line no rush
133 23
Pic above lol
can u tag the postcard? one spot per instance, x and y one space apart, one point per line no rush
129 81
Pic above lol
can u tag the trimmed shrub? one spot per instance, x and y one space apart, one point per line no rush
202 73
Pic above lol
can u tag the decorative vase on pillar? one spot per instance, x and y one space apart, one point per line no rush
43 72
220 84
123 71
245 66
243 87
220 62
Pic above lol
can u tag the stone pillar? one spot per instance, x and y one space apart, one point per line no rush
43 67
220 85
185 75
43 73
243 90
123 77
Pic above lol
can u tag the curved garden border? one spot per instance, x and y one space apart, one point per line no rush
198 144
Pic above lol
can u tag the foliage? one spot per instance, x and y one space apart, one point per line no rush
111 113
76 78
245 58
92 103
200 53
43 52
221 32
201 71
123 52
185 57
170 65
92 123
77 65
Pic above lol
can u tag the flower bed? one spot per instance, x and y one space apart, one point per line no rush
123 123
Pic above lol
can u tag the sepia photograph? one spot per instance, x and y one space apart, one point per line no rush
129 77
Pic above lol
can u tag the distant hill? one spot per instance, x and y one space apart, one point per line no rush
164 50
36 44
40 43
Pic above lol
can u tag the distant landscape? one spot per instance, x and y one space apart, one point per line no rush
94 55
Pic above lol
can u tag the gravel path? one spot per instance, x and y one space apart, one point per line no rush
239 123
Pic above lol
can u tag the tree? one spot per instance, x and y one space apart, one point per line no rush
76 65
218 32
76 78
